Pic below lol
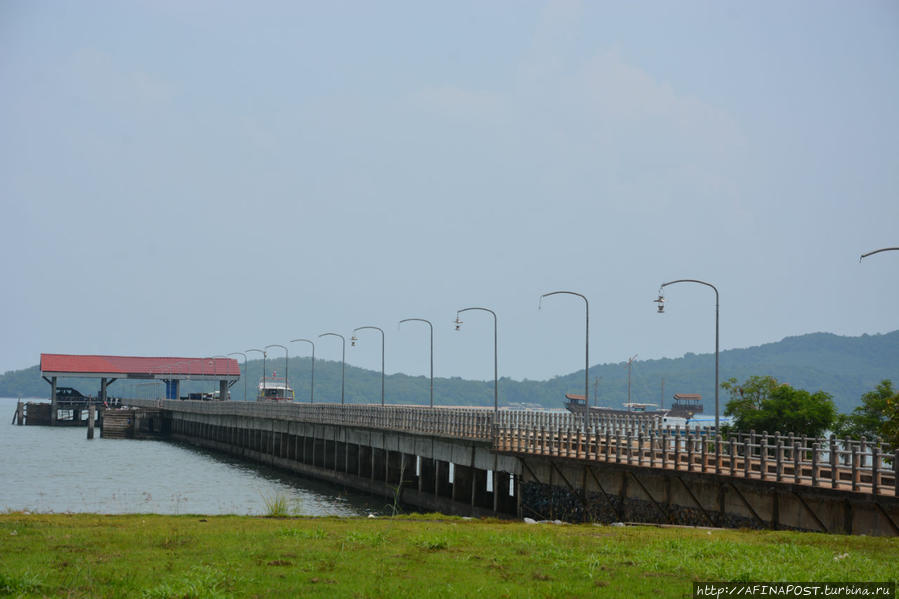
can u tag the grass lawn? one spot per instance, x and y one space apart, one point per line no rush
184 557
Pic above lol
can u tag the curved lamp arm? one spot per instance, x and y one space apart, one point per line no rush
458 324
312 381
431 327
342 360
587 344
877 252
661 304
246 372
353 343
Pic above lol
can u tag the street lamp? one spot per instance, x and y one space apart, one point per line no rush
877 252
312 383
264 354
286 366
342 360
495 369
245 371
431 327
353 344
587 350
661 310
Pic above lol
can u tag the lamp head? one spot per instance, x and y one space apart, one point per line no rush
661 303
353 341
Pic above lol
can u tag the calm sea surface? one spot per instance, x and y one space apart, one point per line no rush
47 469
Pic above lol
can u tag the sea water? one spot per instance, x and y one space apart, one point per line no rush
57 469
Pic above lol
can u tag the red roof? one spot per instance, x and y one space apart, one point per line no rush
138 367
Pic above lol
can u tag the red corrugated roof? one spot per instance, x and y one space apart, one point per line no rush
139 366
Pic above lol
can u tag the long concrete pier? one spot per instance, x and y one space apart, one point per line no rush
551 465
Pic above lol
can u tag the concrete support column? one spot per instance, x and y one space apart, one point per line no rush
410 479
480 497
223 390
427 475
463 480
503 502
20 413
443 486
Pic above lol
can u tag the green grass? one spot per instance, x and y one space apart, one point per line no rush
196 557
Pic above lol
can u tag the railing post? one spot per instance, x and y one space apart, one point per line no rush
677 447
640 447
833 462
797 465
733 456
855 475
690 447
629 441
717 453
618 446
815 449
875 469
779 445
896 473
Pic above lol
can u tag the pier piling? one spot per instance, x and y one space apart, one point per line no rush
91 413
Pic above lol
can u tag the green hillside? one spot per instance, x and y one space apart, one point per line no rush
845 367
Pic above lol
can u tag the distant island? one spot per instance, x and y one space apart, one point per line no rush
845 367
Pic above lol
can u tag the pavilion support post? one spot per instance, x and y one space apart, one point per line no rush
91 413
223 390
53 401
103 390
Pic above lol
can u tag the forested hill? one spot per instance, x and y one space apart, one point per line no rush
845 367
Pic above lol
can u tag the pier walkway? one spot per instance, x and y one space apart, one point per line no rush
551 464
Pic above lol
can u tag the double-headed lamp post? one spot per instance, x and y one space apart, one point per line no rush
353 341
431 327
458 324
264 354
342 360
661 310
286 365
587 344
312 382
245 371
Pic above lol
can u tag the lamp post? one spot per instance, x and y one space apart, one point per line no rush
661 302
353 344
587 350
286 366
263 352
312 382
342 360
245 371
877 252
495 368
431 327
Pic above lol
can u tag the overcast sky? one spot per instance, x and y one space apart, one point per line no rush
196 178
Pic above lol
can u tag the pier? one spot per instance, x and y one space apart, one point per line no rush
547 466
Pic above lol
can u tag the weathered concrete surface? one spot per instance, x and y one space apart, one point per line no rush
597 491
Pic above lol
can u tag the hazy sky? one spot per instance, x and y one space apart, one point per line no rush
196 178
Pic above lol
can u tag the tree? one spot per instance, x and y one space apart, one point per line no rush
877 416
762 404
749 395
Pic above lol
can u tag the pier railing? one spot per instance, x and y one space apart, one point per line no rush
849 465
